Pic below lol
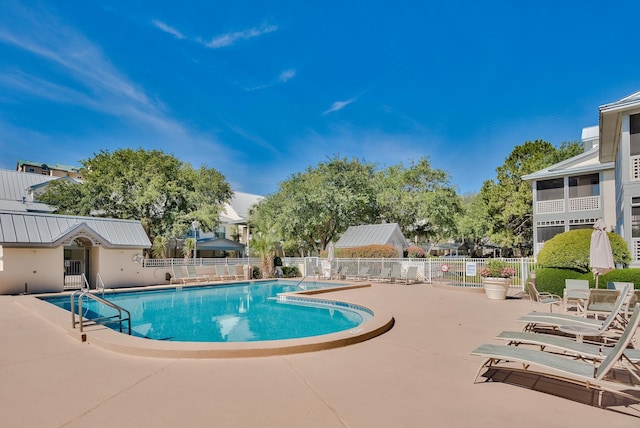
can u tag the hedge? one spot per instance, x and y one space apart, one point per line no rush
551 280
570 250
386 251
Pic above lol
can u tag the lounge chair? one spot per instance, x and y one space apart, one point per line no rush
221 272
602 302
396 273
239 272
633 301
410 276
592 375
350 272
575 293
178 276
576 325
633 296
383 276
192 274
564 345
363 273
543 297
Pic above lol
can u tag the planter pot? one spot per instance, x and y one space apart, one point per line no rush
496 288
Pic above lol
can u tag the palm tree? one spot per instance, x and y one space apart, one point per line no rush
159 248
264 244
188 247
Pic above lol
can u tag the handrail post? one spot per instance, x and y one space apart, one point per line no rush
80 312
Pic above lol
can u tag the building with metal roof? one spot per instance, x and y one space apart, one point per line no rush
18 191
56 170
373 234
48 252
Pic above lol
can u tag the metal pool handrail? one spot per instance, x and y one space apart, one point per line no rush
102 320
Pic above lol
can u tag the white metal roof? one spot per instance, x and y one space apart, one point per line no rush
22 229
14 184
372 234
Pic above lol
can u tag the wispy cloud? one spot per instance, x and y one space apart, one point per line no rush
283 77
339 105
287 75
229 39
168 29
77 73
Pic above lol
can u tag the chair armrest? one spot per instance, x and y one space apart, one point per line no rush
549 295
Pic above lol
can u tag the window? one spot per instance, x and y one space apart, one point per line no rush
634 130
546 233
549 190
584 185
635 217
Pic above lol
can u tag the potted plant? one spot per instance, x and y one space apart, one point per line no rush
496 279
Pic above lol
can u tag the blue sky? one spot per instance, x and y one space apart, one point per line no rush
261 90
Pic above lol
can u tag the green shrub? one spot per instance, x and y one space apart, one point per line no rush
290 271
551 280
570 250
386 251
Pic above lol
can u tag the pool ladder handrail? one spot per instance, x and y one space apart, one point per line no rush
103 320
99 284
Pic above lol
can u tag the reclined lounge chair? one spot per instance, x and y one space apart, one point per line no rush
592 375
564 345
410 276
192 274
178 276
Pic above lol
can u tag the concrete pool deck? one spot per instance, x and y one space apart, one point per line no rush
418 374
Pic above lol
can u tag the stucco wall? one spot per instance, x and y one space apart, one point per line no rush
118 269
41 269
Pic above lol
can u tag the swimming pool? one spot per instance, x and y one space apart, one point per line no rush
239 312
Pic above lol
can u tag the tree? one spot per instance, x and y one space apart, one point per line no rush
187 248
473 223
159 248
165 194
419 198
264 244
314 207
509 199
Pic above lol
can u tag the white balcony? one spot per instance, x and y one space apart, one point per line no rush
587 203
548 207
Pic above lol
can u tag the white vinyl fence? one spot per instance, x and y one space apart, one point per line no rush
447 270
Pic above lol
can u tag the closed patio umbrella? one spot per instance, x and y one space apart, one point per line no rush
330 251
600 254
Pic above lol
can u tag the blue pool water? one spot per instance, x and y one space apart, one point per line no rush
238 312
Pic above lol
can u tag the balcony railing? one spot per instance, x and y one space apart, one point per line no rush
548 207
634 167
585 203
